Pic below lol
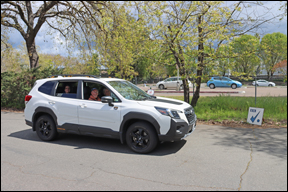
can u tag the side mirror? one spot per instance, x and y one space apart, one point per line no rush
107 99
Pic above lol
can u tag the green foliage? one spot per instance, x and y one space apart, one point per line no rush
14 86
245 50
273 49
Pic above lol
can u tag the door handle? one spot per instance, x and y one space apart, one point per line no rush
83 106
51 102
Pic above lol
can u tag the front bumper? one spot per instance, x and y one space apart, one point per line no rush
179 129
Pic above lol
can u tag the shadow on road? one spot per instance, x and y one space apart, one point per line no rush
97 143
270 141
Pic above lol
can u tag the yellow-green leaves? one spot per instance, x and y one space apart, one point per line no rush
246 47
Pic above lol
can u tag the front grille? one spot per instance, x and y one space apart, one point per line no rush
190 115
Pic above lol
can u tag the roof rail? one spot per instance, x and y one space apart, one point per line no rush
73 75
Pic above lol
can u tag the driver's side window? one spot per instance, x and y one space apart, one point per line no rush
168 80
102 91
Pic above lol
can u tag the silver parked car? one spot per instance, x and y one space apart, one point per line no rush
171 83
265 83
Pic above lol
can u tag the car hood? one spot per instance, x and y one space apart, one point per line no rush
237 82
165 103
160 82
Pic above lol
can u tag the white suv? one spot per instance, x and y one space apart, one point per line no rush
128 114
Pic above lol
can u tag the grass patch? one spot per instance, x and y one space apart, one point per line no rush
221 108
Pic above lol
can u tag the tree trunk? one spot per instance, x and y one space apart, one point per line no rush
200 64
186 90
32 53
268 74
182 71
180 62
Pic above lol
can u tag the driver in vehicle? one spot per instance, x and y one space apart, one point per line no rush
106 92
94 95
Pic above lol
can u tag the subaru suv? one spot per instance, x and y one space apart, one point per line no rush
127 113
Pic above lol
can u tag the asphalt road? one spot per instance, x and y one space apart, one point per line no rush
212 158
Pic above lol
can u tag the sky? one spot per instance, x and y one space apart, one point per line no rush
52 43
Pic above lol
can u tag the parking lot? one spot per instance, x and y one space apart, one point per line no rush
245 91
212 158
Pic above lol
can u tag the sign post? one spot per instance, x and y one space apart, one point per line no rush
257 72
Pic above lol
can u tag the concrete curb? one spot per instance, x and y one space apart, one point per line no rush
234 92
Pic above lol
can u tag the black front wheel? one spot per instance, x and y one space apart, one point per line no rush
141 137
45 128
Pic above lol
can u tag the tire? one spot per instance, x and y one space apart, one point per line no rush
212 86
269 85
234 86
141 137
161 86
45 128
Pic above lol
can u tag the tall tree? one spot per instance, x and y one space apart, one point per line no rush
69 18
273 49
125 45
246 48
190 25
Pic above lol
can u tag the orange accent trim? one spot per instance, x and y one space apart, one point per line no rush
61 128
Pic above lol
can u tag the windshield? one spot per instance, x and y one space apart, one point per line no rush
129 90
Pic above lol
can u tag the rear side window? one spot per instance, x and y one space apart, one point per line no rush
216 78
46 87
67 89
175 79
225 79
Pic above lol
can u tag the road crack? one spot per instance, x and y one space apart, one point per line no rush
241 177
171 184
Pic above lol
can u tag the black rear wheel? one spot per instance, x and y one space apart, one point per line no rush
141 137
45 128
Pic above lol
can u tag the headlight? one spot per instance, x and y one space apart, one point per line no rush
168 112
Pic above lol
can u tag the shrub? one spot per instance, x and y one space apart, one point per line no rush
15 86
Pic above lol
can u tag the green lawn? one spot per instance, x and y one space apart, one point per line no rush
236 108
